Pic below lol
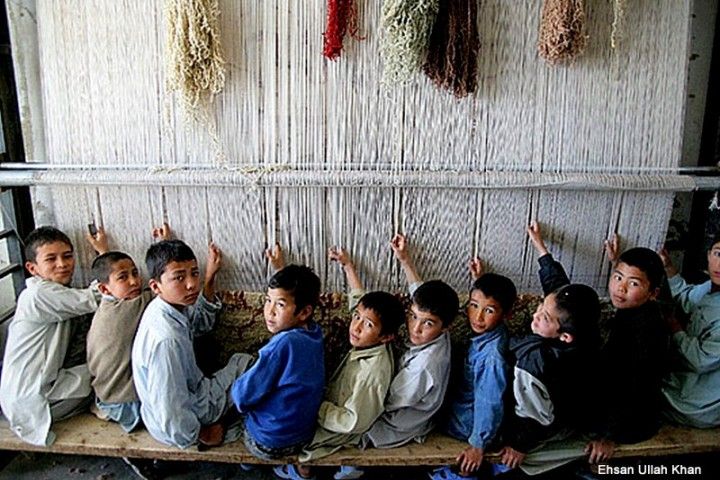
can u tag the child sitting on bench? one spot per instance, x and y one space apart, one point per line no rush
177 400
35 389
356 392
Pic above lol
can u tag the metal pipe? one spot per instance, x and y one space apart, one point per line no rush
289 178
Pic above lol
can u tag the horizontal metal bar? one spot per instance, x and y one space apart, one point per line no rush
9 269
6 233
286 177
5 316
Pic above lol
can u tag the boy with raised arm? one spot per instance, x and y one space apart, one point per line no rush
110 338
692 389
632 360
418 388
476 411
177 400
356 391
279 396
35 389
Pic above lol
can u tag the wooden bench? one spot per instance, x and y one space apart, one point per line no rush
87 435
241 328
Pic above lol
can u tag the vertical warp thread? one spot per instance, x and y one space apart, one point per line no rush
454 46
406 25
562 35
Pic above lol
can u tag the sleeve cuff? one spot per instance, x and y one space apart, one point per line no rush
675 282
211 305
546 260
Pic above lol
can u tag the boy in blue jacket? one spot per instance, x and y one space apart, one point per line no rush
477 405
279 396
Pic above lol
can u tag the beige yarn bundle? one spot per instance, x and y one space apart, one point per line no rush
195 63
407 25
618 26
562 30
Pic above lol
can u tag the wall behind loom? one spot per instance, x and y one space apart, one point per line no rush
284 105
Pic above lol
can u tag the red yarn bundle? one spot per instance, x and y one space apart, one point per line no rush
341 19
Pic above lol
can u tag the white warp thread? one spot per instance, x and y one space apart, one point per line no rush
362 162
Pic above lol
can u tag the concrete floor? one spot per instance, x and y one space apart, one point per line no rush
42 466
45 466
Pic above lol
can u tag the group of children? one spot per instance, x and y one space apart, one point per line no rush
519 396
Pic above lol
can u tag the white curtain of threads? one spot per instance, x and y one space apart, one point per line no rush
104 100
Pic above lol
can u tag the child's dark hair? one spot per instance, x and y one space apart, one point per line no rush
437 298
160 254
388 308
42 236
646 260
580 306
713 240
102 266
501 288
301 282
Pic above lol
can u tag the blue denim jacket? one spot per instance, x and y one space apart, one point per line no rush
477 409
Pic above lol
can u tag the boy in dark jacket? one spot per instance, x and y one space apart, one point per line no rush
631 363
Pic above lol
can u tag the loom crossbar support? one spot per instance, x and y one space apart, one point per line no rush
281 176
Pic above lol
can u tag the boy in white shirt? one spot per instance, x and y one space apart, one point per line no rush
35 389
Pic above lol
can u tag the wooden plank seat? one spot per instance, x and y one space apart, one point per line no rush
87 435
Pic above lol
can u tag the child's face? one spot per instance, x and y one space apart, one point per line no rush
179 284
54 261
546 319
280 313
714 264
423 327
365 328
124 282
483 313
629 287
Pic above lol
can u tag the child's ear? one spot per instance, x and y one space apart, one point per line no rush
104 289
654 294
31 267
566 337
153 284
305 313
387 338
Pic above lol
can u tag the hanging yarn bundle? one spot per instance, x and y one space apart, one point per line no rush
562 30
454 45
407 25
195 64
618 24
341 19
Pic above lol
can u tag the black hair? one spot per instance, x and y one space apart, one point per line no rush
437 298
713 240
647 261
103 264
501 288
301 282
160 254
579 306
42 236
388 308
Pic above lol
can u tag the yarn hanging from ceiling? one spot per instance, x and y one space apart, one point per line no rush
454 47
562 36
406 32
618 24
195 63
341 20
